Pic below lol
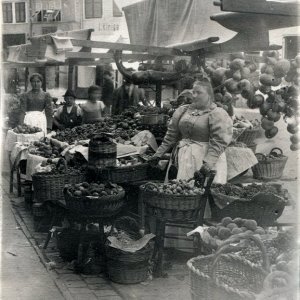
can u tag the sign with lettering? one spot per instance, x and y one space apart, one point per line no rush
109 27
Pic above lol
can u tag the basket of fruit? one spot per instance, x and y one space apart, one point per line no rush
94 199
263 203
248 130
269 166
45 148
124 266
226 275
127 170
23 134
174 200
49 185
214 236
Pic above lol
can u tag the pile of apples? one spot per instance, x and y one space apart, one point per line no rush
26 129
45 149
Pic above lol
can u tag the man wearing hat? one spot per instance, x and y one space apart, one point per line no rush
69 115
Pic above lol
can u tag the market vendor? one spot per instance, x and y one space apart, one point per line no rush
69 115
199 133
36 106
125 96
93 110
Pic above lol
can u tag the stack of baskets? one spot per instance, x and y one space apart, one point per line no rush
227 276
270 168
170 207
50 187
265 208
125 267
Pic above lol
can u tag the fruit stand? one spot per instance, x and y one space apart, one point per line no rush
99 176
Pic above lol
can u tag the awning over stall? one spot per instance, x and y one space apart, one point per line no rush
48 48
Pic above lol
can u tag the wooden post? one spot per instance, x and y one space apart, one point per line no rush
70 76
158 94
26 79
42 71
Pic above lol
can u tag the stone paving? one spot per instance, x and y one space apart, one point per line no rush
92 287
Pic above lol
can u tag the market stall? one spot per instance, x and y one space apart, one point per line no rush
120 206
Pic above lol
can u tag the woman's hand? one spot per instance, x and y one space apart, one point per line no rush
153 161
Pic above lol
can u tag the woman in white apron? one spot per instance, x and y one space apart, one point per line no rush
199 133
36 106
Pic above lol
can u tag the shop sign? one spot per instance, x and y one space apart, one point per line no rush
109 27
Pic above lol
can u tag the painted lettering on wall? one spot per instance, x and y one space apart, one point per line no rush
109 27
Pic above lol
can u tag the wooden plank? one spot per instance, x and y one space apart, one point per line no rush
261 7
194 45
125 57
121 46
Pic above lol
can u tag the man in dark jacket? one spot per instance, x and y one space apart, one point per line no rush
125 96
107 91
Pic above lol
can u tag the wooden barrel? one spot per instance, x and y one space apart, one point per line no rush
102 152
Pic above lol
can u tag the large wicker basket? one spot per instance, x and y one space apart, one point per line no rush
248 136
105 206
269 169
264 208
227 276
120 174
170 207
49 187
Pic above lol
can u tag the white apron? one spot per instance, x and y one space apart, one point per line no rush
37 119
190 158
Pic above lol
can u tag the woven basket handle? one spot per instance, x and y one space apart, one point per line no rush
222 249
150 184
275 149
63 162
260 156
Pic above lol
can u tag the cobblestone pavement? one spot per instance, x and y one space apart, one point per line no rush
91 287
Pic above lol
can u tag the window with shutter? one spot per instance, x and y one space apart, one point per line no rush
93 9
7 12
20 12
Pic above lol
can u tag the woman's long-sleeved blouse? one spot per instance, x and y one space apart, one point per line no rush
36 102
212 125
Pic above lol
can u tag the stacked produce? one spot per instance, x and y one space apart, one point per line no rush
246 192
242 122
128 161
51 168
280 251
26 129
174 187
45 149
95 189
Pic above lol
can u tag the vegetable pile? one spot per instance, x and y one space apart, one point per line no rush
95 189
242 122
229 227
128 161
248 191
174 187
58 167
45 149
26 129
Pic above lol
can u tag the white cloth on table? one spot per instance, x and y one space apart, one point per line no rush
18 153
32 162
37 119
12 138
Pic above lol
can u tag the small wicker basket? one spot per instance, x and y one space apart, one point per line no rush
120 174
269 169
153 119
248 136
49 187
227 276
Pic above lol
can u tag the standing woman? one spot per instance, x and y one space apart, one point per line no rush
200 132
36 105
